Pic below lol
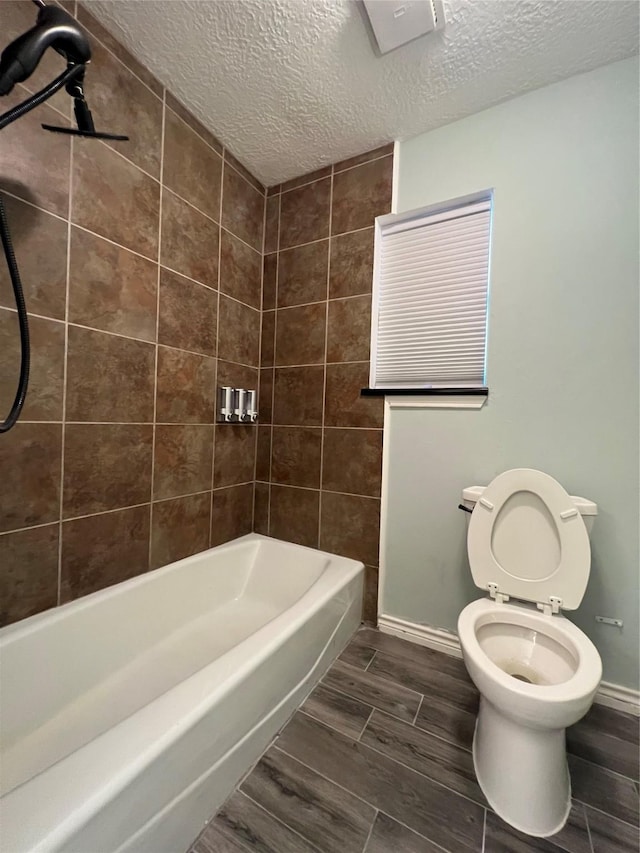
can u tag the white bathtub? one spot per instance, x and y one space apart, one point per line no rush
128 716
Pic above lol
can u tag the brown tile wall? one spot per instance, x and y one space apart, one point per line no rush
142 265
319 442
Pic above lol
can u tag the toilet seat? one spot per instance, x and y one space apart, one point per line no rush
539 508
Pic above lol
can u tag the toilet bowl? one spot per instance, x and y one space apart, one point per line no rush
536 672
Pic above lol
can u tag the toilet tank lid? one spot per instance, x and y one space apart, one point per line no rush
584 506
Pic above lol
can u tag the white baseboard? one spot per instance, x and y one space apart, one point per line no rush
611 695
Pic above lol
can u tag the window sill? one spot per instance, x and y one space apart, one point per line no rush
430 398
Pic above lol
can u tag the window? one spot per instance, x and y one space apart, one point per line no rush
430 294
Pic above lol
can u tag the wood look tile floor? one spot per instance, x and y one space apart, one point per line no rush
378 760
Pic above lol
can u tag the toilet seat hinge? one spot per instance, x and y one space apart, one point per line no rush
494 592
553 606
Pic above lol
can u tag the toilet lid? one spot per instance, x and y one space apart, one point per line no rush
526 536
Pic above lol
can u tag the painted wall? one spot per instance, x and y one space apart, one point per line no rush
563 347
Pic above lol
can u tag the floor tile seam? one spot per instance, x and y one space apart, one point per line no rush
370 833
620 776
358 699
357 669
371 660
280 821
367 721
425 776
357 796
323 775
601 811
586 821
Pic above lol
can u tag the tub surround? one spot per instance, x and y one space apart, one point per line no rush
142 266
319 443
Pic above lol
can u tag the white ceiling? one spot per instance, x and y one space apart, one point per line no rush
292 85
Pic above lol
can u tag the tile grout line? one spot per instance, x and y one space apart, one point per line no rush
273 370
322 239
367 721
324 365
255 448
400 763
333 171
321 301
64 373
155 365
215 378
370 833
586 820
484 830
418 711
362 799
373 656
279 820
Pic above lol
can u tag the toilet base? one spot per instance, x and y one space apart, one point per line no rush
523 772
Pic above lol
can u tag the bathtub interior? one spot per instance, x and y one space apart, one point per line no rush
71 674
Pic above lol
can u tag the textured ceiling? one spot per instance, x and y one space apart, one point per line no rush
292 85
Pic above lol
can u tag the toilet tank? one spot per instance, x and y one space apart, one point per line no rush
587 509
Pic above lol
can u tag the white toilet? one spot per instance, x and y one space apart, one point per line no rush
537 673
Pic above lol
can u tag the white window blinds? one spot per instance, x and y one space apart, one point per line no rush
430 289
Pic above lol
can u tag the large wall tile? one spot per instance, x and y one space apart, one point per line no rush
296 453
106 466
40 244
349 329
304 214
265 396
189 240
175 105
109 378
374 154
240 270
238 332
184 392
344 405
269 281
232 513
183 458
272 224
268 339
242 208
263 453
28 572
120 103
111 288
294 515
234 454
261 509
100 550
297 398
30 461
192 169
352 461
300 334
187 314
44 394
115 199
351 269
179 528
35 164
360 194
302 274
350 526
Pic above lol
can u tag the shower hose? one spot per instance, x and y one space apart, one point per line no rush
7 245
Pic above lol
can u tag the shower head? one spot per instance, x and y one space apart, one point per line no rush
54 28
57 29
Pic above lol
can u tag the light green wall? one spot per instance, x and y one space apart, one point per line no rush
563 347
